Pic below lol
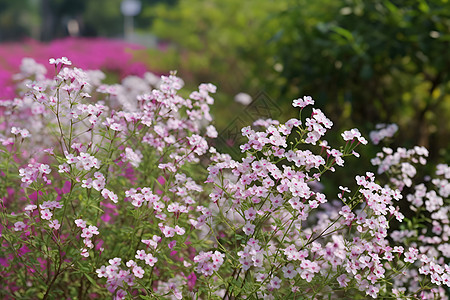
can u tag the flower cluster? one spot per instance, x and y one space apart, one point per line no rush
92 54
383 131
87 233
400 164
32 171
160 213
117 278
209 262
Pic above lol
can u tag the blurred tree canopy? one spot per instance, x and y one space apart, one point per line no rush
387 60
220 41
47 19
365 62
18 19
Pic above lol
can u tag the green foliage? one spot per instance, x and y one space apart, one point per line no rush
104 17
216 41
18 19
385 59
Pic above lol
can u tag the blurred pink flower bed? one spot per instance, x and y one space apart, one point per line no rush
87 53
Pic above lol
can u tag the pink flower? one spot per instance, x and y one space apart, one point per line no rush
352 134
260 277
19 226
138 272
179 230
46 214
307 100
115 261
249 228
192 279
140 254
80 223
84 252
289 271
388 256
410 257
55 224
121 294
108 194
275 283
343 280
398 249
62 60
30 207
45 169
250 214
308 276
436 279
153 242
150 260
172 244
89 232
206 266
445 278
133 156
167 231
101 272
23 132
372 291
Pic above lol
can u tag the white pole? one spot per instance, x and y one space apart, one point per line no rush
128 27
129 8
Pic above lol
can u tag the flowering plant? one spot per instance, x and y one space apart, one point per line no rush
116 190
111 56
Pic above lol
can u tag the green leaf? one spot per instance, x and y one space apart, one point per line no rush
392 8
91 280
423 6
97 208
344 33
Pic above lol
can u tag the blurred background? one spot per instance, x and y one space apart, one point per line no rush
363 61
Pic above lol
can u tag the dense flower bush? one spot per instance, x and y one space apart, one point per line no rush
115 190
88 53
